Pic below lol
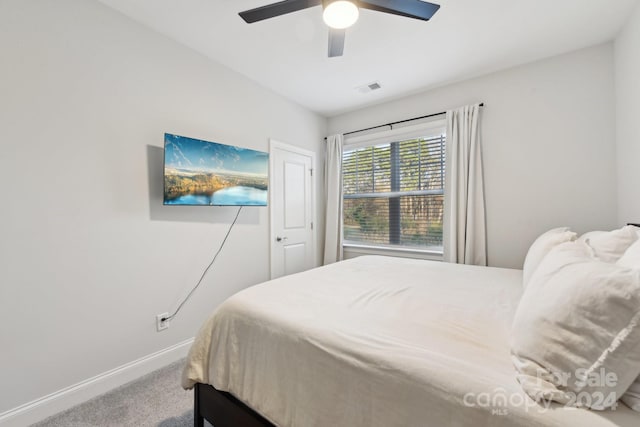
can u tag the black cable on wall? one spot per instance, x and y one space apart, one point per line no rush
204 273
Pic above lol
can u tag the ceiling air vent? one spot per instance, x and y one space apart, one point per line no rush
369 87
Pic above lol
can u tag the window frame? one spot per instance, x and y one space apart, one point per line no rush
434 127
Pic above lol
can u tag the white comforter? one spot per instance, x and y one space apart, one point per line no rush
378 341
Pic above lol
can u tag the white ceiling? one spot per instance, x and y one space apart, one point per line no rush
465 38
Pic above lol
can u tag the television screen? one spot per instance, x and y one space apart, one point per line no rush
206 173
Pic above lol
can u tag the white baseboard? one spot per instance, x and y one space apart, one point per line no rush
68 397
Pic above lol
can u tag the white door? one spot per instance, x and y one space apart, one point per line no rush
292 203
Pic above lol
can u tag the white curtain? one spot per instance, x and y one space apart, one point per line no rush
333 199
465 234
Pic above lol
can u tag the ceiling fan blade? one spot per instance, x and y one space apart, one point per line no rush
410 8
276 9
336 42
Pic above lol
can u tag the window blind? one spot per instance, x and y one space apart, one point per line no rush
394 193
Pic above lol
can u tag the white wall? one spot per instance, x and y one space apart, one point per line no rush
627 66
88 256
548 139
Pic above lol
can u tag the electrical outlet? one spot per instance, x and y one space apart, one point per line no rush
161 325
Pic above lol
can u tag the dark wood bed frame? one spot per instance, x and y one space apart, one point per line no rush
221 409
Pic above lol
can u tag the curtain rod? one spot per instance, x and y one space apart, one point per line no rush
398 122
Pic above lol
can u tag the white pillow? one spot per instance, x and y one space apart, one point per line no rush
610 246
591 234
631 258
541 247
632 397
578 319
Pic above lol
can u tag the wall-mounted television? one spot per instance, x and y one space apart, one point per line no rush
203 173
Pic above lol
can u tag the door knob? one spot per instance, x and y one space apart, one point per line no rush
279 239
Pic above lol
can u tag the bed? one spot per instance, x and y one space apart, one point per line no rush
372 341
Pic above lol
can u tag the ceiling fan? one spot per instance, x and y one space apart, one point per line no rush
341 14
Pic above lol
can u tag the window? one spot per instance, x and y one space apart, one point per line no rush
394 189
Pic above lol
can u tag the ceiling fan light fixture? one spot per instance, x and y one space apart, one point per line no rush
340 14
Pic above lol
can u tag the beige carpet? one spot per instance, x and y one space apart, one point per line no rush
153 400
